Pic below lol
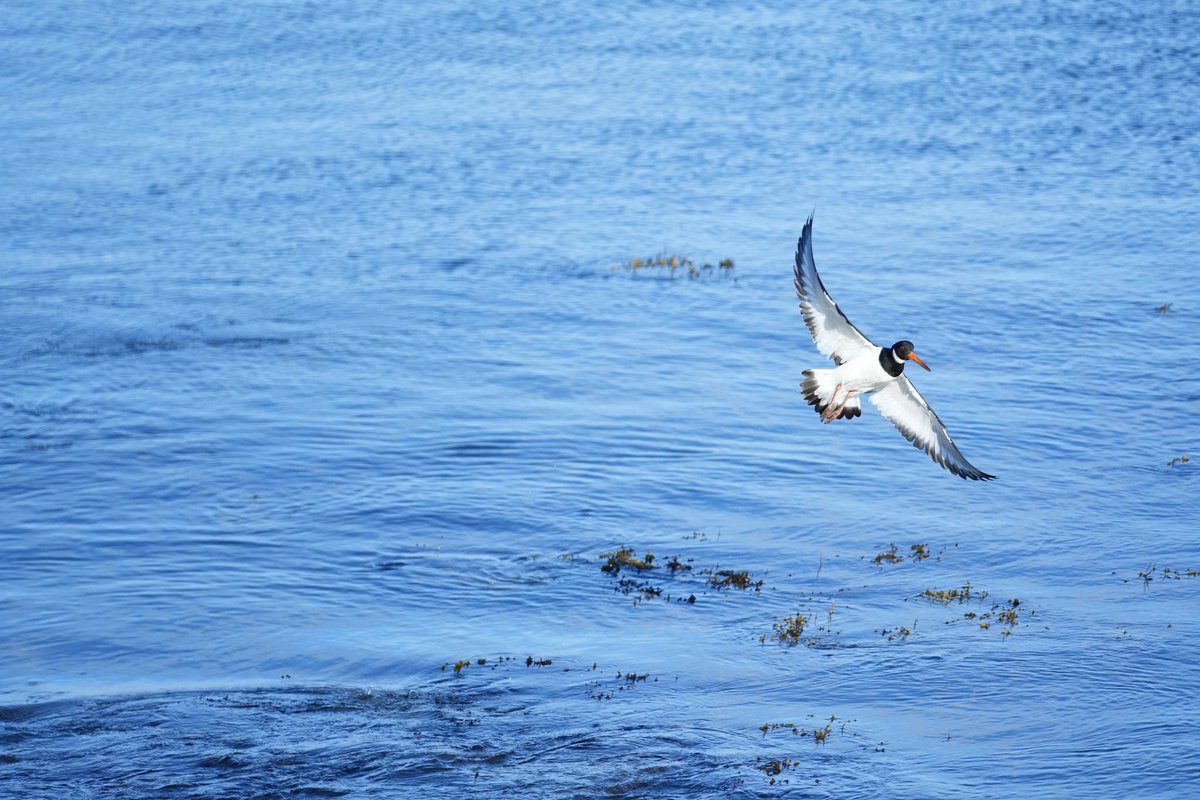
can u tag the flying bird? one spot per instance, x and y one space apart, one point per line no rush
865 368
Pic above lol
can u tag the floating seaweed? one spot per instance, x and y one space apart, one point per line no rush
955 595
1183 459
738 579
632 579
625 557
461 664
623 682
774 767
1004 615
899 633
819 735
675 565
917 552
674 265
890 556
788 630
1152 572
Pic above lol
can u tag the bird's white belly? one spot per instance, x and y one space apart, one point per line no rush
863 373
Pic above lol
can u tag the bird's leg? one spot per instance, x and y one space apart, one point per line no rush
838 410
831 408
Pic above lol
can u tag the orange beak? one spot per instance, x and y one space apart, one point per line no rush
913 357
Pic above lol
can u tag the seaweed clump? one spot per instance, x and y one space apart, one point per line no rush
773 767
788 630
955 595
738 579
626 557
624 682
900 633
634 576
917 552
1150 573
890 556
1004 615
819 735
673 264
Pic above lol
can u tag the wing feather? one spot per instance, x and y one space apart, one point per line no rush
834 334
904 407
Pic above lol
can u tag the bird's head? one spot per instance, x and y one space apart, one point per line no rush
903 351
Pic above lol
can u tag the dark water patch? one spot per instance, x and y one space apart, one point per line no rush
24 712
251 342
455 264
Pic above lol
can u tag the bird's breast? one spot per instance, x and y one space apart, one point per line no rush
863 374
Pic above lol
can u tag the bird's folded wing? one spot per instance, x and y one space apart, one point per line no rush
904 407
835 336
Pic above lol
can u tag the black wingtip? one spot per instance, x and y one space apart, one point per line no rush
805 234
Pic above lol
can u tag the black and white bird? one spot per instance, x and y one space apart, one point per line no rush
865 368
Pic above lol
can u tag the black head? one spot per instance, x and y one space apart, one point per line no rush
903 351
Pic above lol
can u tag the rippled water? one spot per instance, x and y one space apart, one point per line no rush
322 376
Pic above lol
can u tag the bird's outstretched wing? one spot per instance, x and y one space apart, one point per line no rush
835 336
904 407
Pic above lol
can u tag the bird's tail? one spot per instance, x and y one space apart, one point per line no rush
818 387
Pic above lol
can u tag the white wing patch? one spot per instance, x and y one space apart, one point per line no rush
904 407
835 336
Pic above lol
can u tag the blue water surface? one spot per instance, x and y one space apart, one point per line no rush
329 386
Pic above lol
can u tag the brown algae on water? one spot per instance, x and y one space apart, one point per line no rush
674 265
917 552
890 556
788 630
1003 615
600 683
626 557
899 633
819 735
1152 572
738 579
635 576
955 595
493 663
774 767
675 565
623 682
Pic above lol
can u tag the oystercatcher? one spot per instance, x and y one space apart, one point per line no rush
865 368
